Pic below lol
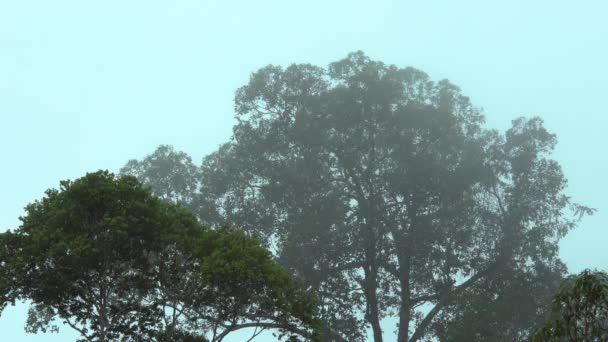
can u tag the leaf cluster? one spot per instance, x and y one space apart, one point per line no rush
106 257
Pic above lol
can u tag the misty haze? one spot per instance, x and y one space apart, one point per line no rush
271 171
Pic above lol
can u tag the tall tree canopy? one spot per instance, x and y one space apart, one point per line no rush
107 258
385 194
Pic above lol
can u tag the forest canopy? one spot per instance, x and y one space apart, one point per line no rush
347 196
386 195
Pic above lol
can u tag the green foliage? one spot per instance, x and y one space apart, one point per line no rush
83 255
59 250
104 256
181 336
9 273
246 285
383 192
580 310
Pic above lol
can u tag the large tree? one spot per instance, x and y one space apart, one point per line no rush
385 194
104 256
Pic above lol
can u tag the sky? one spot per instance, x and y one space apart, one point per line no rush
88 85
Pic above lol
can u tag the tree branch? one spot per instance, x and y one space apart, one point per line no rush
445 298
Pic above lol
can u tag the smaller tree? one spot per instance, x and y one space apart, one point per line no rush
107 258
83 254
580 310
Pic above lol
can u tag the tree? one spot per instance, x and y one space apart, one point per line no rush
382 191
225 282
245 288
171 174
83 255
510 306
580 310
113 262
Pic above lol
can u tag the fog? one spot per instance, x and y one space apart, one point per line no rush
89 86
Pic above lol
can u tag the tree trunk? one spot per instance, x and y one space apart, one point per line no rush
371 275
404 308
373 314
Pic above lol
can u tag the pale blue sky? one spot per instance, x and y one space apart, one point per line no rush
86 85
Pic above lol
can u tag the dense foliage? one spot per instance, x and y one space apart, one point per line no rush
507 307
379 192
383 192
580 310
104 256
